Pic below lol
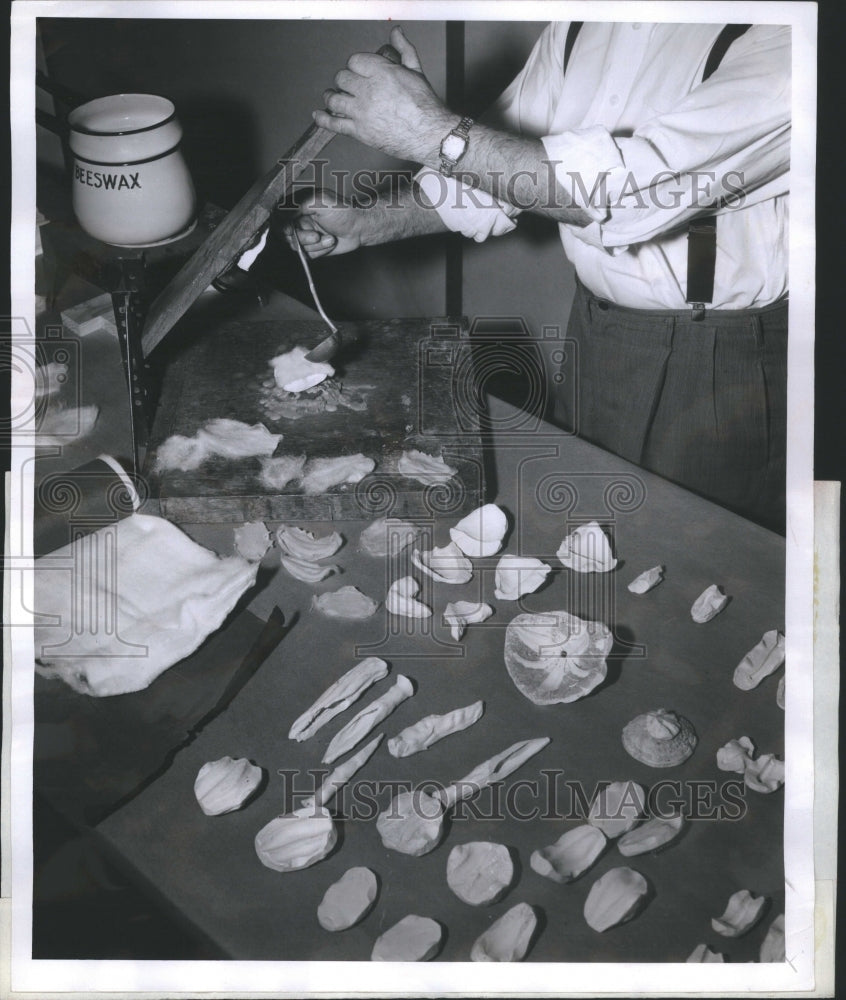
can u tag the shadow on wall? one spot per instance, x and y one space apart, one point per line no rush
524 274
244 91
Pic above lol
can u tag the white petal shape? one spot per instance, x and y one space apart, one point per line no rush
648 579
224 785
708 605
742 912
293 373
433 728
617 808
761 661
660 738
308 572
288 843
413 939
302 544
518 575
412 824
507 939
320 474
780 693
587 550
735 755
772 947
446 565
277 472
252 540
336 779
702 953
387 536
571 855
479 872
481 532
649 836
338 697
426 469
766 774
460 614
556 657
346 602
367 719
348 900
400 599
614 898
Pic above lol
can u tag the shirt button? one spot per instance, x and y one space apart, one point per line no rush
635 27
613 100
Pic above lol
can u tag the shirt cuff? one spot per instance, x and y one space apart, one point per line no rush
470 211
583 160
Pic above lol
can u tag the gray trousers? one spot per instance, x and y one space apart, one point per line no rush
701 402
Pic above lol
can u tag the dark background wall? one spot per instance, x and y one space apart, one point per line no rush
244 91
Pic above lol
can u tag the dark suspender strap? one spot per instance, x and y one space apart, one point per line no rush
702 232
701 259
572 35
729 34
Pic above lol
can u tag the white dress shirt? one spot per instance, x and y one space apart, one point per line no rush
632 107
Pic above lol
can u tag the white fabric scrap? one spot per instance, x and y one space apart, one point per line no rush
426 469
235 439
277 472
221 436
321 474
128 601
60 427
49 379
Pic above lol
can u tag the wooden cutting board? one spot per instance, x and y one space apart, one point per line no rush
414 377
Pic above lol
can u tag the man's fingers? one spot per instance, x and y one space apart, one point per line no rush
347 81
407 51
365 63
341 126
338 104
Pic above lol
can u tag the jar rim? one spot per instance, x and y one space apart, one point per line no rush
111 105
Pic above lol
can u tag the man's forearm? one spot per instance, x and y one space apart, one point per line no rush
513 168
398 214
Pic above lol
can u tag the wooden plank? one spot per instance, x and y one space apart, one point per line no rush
234 233
230 237
415 376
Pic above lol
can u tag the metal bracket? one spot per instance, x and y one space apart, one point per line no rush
130 309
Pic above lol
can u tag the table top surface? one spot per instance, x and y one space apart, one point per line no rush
548 482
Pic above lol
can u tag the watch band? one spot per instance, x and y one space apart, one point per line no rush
461 131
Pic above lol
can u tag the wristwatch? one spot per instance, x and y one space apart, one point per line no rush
454 146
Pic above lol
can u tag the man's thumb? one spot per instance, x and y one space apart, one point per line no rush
407 51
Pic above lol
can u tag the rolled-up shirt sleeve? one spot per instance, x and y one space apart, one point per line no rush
525 107
469 211
725 145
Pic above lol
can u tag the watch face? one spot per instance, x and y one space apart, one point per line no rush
453 147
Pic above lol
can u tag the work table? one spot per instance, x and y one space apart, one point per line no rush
548 482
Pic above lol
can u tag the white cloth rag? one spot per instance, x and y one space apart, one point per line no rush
121 605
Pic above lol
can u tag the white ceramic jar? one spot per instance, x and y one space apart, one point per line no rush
131 186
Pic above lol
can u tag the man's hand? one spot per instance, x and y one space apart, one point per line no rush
388 107
326 224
